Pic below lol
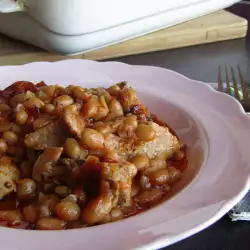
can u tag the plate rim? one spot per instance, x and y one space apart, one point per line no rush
225 206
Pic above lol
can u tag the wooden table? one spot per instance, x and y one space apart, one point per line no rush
201 63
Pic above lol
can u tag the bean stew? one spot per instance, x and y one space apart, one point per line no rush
75 157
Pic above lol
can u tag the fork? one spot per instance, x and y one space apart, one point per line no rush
233 89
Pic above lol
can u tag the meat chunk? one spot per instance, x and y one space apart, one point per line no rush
45 161
164 144
126 174
9 174
99 207
52 135
74 121
121 175
117 187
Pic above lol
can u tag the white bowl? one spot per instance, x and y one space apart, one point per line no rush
77 17
31 31
214 127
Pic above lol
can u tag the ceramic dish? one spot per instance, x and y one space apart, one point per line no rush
214 127
76 17
39 36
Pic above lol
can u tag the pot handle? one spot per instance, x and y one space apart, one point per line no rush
7 6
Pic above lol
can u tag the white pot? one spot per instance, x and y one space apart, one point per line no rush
76 17
41 37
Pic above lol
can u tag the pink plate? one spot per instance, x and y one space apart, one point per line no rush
212 124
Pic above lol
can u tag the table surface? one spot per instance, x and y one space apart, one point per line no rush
201 63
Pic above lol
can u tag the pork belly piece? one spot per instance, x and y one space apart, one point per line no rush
164 145
121 174
52 135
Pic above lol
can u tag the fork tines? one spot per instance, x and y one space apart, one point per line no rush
234 86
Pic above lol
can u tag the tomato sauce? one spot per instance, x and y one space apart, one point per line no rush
88 176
